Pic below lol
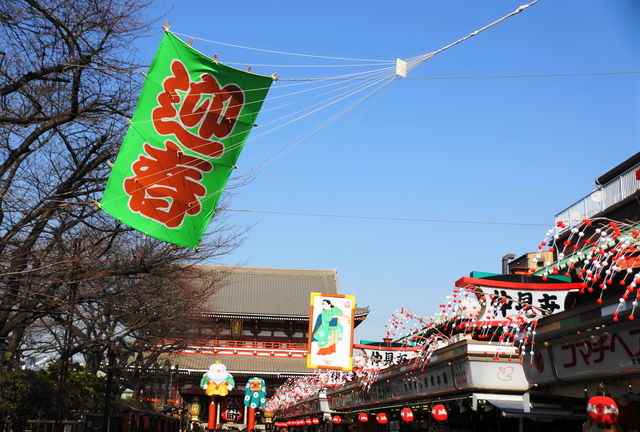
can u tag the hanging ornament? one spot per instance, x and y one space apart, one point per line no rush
315 421
363 417
439 412
602 410
382 418
307 422
406 414
337 419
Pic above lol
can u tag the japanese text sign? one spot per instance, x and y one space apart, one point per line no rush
191 122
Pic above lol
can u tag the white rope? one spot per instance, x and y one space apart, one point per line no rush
356 83
283 52
418 60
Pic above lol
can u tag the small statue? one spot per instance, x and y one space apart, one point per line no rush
217 381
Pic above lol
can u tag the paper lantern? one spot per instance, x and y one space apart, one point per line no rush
315 421
439 412
363 417
307 422
337 419
382 418
406 414
602 410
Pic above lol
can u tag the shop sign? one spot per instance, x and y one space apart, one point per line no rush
429 381
490 375
509 302
598 353
387 358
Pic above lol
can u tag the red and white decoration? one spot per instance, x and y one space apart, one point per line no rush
407 414
382 418
602 410
439 412
602 253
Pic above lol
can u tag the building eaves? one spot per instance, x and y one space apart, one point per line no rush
274 366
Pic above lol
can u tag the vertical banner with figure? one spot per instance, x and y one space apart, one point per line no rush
331 331
191 122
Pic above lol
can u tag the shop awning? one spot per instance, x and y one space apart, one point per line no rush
505 402
521 406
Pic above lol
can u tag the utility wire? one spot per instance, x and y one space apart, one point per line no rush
338 78
385 218
220 210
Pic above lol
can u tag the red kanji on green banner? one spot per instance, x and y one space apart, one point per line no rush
192 120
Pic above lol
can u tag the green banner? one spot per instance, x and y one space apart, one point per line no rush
192 120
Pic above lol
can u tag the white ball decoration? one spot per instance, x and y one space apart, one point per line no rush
469 307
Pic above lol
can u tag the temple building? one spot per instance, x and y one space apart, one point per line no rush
260 328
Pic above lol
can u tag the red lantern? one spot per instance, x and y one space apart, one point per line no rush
406 414
382 418
439 412
602 410
363 417
337 420
315 421
307 422
300 422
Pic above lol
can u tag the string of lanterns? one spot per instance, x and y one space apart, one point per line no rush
438 412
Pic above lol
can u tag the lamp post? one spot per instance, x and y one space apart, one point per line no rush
111 355
167 377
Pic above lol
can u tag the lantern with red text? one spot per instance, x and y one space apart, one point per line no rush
439 412
382 418
315 421
406 414
337 419
602 410
363 417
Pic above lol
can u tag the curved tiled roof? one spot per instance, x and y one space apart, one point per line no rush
272 291
275 366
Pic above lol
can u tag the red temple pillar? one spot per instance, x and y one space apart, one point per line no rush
251 418
211 422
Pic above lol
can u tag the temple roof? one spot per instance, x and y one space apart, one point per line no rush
250 365
269 291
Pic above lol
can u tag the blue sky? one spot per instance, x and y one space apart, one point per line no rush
466 160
